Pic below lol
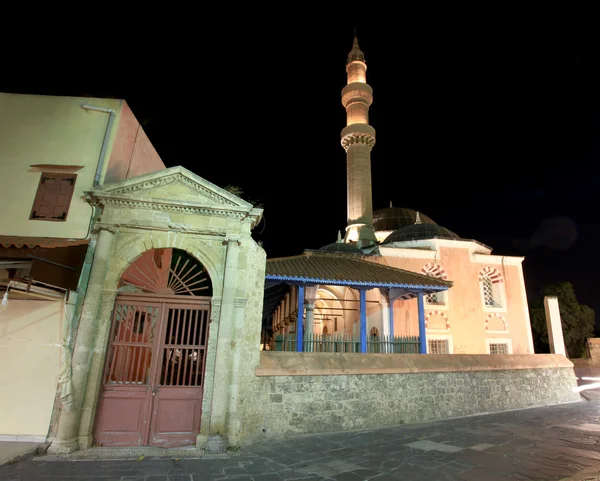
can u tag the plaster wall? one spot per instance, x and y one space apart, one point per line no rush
132 152
31 337
37 130
464 307
40 133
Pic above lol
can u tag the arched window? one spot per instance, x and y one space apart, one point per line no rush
490 282
435 270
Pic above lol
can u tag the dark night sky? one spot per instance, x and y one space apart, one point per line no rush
490 127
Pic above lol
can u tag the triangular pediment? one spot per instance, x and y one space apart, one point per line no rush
173 185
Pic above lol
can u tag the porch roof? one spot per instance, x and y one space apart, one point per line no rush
348 270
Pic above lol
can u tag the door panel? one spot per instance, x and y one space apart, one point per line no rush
154 373
123 418
176 416
126 398
178 399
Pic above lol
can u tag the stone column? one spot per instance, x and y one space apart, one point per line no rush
98 356
310 296
217 439
310 318
68 424
553 321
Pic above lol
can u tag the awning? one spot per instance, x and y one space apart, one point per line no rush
46 242
312 268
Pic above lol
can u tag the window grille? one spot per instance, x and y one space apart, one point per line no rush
438 346
433 298
488 292
498 348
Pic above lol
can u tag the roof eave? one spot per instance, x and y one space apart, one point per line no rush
358 284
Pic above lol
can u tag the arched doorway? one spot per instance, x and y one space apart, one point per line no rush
152 384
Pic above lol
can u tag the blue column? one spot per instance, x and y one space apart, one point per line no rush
422 336
391 302
300 320
363 320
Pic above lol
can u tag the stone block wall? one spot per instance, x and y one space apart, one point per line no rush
593 348
309 393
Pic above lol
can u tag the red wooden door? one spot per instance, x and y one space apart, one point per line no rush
154 372
178 393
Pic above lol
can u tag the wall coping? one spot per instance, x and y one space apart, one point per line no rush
331 364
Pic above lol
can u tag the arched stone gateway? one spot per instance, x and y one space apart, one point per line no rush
170 250
152 384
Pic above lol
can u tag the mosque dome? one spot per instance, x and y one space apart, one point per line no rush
393 218
420 231
341 247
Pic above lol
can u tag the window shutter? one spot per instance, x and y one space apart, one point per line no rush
53 197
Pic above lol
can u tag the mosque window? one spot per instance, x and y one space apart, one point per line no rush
498 346
490 282
439 344
436 270
488 292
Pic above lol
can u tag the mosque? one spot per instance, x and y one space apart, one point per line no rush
478 305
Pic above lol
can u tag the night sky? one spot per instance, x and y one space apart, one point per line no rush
491 128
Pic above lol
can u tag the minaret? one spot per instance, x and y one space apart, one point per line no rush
358 138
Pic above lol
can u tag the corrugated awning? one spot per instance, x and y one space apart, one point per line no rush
348 270
46 242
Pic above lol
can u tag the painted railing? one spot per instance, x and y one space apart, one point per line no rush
349 343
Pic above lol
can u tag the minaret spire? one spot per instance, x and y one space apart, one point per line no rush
358 138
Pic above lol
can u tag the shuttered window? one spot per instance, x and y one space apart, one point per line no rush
53 197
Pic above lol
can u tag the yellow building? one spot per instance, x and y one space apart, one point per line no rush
52 151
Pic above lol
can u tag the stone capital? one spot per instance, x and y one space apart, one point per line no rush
232 239
100 226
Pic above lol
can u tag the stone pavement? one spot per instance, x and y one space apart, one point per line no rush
553 442
11 452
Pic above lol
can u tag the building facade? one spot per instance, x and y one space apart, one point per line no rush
484 312
52 151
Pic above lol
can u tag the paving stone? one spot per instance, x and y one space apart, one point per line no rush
542 443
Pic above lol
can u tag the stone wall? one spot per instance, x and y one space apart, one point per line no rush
593 349
308 393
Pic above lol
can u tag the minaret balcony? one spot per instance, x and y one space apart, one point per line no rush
357 92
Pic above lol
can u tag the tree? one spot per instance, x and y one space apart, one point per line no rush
577 320
235 190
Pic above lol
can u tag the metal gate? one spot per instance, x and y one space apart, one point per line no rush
153 377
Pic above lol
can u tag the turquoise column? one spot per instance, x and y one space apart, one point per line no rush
391 302
363 320
422 336
300 320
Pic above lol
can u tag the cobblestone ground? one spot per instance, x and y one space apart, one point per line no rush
543 443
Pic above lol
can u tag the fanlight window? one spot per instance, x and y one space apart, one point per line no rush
166 272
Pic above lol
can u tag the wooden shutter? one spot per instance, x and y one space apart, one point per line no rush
53 197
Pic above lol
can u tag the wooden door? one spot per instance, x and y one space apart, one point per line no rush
177 405
154 372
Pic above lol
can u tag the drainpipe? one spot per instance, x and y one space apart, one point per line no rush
111 120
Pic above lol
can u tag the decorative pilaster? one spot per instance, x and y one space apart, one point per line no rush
66 440
217 440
